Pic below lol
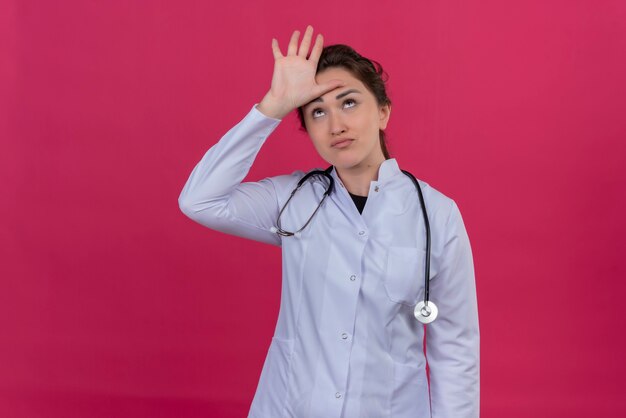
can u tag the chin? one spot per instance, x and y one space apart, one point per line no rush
344 162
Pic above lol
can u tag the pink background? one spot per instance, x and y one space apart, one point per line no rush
114 304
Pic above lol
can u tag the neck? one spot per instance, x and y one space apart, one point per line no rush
357 179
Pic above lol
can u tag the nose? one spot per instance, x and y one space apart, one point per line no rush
337 126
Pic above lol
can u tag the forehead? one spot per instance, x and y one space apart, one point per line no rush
338 73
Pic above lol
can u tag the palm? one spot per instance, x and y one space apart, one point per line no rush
293 81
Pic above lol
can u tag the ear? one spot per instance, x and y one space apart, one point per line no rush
384 113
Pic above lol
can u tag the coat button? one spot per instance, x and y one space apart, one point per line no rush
338 395
353 277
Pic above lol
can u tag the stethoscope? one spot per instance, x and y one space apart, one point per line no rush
425 311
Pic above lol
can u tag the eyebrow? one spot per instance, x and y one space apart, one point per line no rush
339 96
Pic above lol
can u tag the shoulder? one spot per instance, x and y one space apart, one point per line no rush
444 214
438 204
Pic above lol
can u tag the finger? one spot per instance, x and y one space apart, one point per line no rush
331 85
317 49
276 49
293 43
306 42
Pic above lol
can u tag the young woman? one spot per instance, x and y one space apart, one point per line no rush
355 252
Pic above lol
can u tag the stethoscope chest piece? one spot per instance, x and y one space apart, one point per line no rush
426 313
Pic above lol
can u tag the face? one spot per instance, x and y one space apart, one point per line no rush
343 123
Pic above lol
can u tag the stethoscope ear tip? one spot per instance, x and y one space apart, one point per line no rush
273 230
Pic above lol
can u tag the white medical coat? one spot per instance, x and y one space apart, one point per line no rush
346 342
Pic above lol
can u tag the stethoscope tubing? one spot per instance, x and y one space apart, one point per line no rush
427 226
329 190
424 312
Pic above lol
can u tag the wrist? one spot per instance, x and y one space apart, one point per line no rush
271 108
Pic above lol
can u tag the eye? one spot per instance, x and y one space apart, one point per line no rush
349 103
316 113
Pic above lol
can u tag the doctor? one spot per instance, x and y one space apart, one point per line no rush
347 343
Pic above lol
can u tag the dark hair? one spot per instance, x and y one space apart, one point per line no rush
368 71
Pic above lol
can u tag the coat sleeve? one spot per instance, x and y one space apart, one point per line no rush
452 340
214 195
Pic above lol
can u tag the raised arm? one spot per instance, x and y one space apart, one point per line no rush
214 194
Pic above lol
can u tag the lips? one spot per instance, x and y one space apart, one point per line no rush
341 142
